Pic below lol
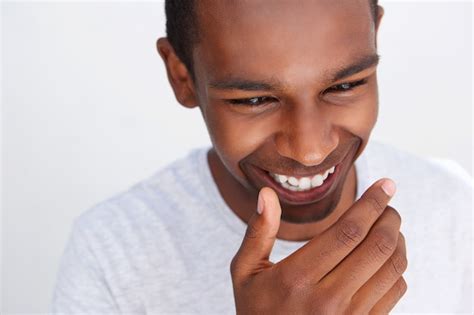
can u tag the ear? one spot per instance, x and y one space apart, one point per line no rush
380 14
178 74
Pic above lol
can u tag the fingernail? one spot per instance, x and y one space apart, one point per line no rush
260 203
389 187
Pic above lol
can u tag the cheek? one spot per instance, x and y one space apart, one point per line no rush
235 136
359 117
357 120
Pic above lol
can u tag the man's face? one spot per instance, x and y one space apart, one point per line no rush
288 88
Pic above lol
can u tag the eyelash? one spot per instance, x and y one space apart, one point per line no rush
260 100
351 86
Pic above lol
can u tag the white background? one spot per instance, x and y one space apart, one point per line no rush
87 112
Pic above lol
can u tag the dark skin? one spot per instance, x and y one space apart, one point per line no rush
304 127
270 80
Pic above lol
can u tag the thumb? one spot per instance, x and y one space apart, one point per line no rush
262 229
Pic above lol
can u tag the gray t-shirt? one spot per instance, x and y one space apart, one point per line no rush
164 246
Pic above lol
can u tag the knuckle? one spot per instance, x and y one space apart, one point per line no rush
349 233
395 216
234 266
237 271
402 287
375 204
251 232
401 238
384 244
399 263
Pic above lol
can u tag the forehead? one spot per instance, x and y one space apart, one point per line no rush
281 37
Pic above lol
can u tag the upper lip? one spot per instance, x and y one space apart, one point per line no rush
309 172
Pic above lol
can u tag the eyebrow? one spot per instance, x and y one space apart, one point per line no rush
358 66
242 84
233 83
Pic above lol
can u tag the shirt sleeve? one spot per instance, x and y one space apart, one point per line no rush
454 168
461 233
81 287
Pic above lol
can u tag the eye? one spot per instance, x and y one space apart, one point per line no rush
345 87
254 101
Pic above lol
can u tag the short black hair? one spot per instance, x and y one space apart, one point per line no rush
182 27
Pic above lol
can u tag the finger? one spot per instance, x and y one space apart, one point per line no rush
390 299
260 236
380 283
320 255
357 268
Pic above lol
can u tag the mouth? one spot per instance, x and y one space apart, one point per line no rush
305 183
299 190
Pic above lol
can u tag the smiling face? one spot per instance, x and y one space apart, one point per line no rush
289 95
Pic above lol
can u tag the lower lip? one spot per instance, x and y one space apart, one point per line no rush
301 197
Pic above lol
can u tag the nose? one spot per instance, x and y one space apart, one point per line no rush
307 135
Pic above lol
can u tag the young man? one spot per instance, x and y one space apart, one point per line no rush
288 211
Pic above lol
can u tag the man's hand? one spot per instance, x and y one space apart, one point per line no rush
354 267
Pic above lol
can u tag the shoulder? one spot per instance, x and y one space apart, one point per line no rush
432 194
416 172
146 209
132 233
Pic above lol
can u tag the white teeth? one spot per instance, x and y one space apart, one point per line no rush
293 181
304 183
326 174
281 178
293 188
317 181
